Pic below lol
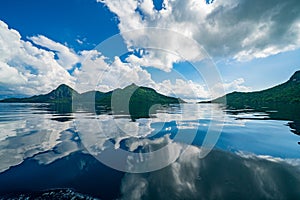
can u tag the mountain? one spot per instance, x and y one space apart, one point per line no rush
135 100
140 97
62 94
137 95
285 93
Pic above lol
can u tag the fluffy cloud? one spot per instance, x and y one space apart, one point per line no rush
183 89
237 29
26 69
236 85
159 59
39 65
96 72
67 58
10 75
191 91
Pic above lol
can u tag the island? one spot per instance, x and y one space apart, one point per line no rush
140 100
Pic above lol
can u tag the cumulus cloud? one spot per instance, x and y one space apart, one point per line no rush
158 59
184 89
242 30
10 75
67 58
191 91
41 64
236 85
26 69
97 72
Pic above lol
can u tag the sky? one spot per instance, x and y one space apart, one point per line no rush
164 44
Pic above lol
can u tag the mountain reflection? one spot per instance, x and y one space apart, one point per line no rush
287 112
46 132
253 156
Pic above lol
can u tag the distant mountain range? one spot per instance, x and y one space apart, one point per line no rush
62 94
285 93
141 99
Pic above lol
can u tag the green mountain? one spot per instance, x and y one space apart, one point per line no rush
62 94
137 95
134 100
139 99
285 93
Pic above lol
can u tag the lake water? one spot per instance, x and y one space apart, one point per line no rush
56 151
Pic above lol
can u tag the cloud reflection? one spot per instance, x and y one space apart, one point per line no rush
27 137
220 175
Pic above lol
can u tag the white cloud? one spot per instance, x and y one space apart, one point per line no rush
10 75
183 89
26 69
93 65
236 85
66 58
191 91
30 70
97 73
79 41
236 29
122 74
158 59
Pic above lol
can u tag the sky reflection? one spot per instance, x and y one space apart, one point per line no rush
43 134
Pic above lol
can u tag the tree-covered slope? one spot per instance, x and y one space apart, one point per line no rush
62 94
134 94
134 100
288 92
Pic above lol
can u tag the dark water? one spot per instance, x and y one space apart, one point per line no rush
49 151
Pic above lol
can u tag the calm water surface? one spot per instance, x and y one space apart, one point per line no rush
49 147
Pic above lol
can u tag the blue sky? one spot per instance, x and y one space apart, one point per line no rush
63 21
45 43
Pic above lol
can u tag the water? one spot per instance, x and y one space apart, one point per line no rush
53 150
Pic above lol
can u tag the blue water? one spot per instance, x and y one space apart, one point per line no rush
255 154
